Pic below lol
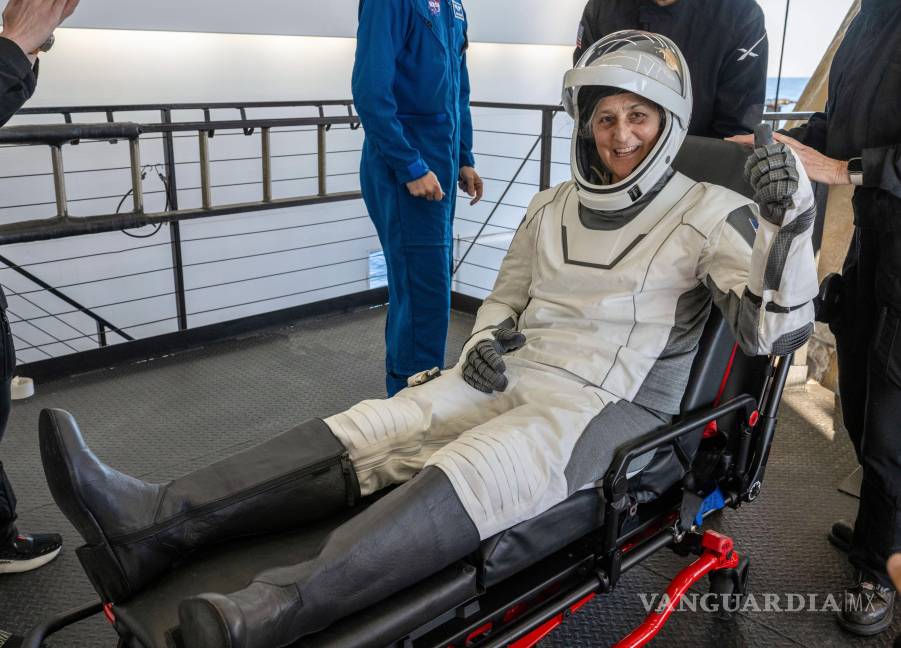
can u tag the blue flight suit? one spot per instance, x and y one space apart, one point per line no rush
411 90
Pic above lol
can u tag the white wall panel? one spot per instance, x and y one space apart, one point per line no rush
129 281
499 21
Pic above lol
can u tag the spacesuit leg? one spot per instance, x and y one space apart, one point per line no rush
559 438
503 471
390 440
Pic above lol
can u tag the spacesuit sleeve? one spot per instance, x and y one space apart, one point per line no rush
380 40
763 277
882 169
502 308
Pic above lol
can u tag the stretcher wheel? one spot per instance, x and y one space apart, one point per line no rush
730 587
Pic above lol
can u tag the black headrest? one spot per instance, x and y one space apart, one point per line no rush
713 160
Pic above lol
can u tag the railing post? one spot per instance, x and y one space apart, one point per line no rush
137 188
320 154
59 181
203 137
101 334
547 148
178 270
267 164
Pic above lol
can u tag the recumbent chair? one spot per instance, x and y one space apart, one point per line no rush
524 581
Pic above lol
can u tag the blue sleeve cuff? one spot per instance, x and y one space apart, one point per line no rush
467 160
415 171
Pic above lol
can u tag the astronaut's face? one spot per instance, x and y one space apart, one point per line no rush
625 127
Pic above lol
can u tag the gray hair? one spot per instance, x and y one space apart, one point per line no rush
587 131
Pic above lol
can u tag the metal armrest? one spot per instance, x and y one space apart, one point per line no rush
615 482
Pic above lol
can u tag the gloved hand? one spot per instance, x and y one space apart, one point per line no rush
773 174
484 368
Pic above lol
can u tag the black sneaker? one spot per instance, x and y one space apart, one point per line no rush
840 535
8 640
29 551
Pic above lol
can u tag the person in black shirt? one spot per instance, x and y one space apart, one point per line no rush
857 140
27 29
724 42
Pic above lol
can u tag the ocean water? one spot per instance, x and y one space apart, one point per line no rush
789 89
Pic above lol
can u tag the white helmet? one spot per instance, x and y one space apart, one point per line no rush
649 65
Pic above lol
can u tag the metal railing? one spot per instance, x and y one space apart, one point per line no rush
58 137
539 145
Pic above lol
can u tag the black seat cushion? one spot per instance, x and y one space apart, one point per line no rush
515 549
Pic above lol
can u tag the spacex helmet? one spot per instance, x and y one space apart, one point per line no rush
646 64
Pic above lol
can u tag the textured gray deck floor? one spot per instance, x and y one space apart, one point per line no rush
162 418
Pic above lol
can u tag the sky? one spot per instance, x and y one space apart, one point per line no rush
812 24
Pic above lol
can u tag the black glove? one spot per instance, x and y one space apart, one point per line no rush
484 368
772 173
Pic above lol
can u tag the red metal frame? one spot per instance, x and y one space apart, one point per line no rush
109 614
718 554
711 429
550 625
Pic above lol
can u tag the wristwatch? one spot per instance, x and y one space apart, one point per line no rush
855 171
46 45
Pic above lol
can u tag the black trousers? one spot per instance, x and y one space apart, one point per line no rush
868 338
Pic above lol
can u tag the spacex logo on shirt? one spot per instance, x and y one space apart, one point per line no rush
749 52
435 7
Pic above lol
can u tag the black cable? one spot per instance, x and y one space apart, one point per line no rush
102 279
496 205
463 283
781 56
274 229
159 226
55 339
478 265
22 296
28 345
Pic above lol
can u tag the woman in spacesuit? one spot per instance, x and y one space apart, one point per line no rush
585 343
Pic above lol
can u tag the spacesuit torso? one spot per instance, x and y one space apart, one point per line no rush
621 304
616 307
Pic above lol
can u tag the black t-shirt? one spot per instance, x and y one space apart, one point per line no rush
723 41
863 113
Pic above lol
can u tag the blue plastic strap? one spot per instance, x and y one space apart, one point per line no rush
713 502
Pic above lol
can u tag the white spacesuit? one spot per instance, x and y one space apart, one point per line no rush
586 342
611 287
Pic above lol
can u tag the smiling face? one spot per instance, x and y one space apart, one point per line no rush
625 127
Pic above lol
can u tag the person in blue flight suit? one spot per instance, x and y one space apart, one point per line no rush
411 90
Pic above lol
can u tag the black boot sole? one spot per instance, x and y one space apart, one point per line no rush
202 624
869 629
97 556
